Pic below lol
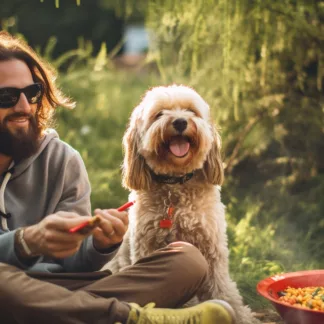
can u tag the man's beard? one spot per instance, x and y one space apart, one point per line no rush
22 143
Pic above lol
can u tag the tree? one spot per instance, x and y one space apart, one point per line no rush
260 66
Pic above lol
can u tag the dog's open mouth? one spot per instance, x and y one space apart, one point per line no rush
179 146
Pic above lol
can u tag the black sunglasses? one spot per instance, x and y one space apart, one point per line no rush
10 96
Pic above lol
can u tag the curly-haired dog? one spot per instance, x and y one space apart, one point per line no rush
173 167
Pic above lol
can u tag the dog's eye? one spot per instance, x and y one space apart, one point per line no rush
157 116
191 110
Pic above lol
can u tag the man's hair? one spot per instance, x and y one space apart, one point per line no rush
14 48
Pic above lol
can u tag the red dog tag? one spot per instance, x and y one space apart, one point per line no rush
166 223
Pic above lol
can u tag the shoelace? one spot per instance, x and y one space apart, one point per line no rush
134 316
188 318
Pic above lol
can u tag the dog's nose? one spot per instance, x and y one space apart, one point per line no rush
180 124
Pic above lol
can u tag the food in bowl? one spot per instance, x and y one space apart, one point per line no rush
307 297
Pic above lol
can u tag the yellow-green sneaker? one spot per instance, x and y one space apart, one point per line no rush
209 312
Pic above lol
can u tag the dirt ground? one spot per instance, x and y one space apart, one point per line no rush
268 317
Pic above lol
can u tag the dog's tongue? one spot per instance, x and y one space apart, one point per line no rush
179 146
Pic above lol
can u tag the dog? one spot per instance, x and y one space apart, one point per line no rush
174 168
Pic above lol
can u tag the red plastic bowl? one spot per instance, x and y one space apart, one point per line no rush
269 288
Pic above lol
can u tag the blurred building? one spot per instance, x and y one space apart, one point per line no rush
136 39
136 44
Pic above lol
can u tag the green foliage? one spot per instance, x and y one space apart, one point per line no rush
105 98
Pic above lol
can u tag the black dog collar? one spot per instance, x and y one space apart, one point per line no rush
163 178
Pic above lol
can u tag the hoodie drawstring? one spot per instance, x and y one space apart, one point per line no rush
3 214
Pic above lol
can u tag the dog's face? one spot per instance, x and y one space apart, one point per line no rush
170 133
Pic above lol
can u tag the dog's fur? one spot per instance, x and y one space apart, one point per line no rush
199 216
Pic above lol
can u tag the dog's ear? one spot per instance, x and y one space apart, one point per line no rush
213 167
136 175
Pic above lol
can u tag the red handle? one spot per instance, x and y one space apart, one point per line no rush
125 206
78 227
82 225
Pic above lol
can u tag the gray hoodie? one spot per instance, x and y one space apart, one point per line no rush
52 180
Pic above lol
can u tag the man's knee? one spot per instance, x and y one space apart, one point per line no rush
189 262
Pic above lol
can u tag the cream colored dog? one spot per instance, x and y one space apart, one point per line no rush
173 167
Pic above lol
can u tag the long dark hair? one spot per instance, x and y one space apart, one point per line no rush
14 48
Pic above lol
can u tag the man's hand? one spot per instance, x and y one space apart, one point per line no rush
111 229
51 236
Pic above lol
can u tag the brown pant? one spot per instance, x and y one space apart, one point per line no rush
169 277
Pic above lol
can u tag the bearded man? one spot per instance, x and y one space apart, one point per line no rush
42 175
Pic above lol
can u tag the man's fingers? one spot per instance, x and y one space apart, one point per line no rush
63 223
110 223
123 216
119 227
62 237
111 229
107 227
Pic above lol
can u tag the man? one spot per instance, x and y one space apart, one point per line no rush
48 274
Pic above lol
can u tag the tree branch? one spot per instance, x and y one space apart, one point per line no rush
229 164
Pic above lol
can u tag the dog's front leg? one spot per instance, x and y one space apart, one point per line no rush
225 288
